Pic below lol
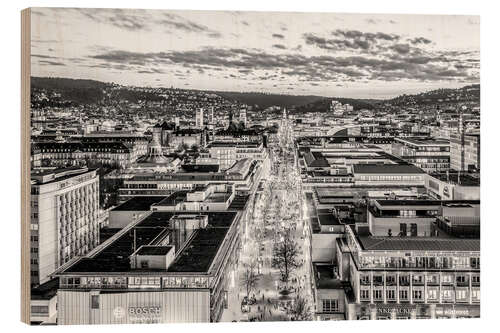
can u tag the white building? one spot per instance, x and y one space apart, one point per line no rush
64 218
199 118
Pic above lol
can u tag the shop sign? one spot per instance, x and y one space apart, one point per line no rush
397 309
453 312
144 314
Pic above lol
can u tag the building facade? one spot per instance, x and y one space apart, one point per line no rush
64 218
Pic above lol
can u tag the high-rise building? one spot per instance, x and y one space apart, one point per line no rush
199 118
211 118
64 218
243 116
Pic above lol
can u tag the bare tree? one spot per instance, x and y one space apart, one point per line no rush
249 278
300 310
285 257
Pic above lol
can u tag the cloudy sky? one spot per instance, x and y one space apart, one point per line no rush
344 55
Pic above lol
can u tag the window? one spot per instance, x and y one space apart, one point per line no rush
330 305
365 294
404 280
418 295
476 295
402 229
474 263
447 279
378 279
432 294
40 309
391 294
413 230
462 295
403 295
475 279
377 294
432 279
94 302
365 279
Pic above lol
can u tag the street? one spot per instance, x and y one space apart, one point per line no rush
276 215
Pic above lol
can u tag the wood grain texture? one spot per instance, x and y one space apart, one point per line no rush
25 163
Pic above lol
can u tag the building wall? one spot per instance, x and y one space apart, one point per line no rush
121 218
330 294
44 310
172 306
323 247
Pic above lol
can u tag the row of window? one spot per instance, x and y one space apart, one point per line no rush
133 282
447 295
365 279
438 262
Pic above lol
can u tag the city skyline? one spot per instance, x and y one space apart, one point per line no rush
348 55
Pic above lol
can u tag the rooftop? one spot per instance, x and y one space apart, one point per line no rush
418 244
425 142
138 203
386 169
46 290
47 176
466 179
195 256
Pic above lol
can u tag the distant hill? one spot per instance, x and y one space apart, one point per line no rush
266 100
79 91
470 93
75 91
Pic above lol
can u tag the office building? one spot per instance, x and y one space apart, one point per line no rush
64 218
430 154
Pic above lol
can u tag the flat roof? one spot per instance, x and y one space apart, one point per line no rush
466 179
418 244
409 202
196 256
387 169
425 142
328 219
139 203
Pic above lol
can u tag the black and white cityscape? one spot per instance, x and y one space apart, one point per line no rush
216 166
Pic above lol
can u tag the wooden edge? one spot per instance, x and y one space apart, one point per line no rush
25 163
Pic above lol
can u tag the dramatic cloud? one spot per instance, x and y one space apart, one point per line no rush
204 49
350 40
313 68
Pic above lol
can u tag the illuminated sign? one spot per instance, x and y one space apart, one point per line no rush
144 314
144 311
